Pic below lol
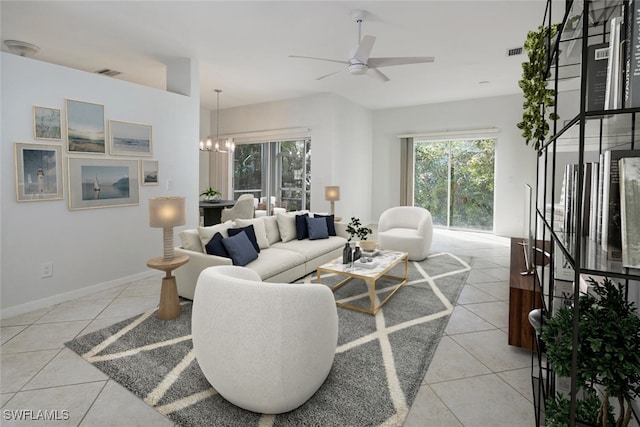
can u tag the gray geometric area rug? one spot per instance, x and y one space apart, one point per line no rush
379 365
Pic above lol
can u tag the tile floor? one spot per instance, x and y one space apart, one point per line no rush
475 378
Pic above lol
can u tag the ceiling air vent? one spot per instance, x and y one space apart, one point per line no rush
108 72
515 51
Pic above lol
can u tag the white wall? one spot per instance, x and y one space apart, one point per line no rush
340 144
95 247
515 162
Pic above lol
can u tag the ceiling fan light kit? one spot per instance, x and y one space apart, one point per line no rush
359 62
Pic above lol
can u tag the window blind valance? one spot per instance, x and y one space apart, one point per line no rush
267 135
451 134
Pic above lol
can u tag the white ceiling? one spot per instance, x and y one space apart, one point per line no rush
242 47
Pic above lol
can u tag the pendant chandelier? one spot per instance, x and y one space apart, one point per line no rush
210 145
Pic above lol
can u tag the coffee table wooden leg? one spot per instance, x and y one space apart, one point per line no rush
372 295
169 304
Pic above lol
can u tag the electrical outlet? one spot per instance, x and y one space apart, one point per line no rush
46 270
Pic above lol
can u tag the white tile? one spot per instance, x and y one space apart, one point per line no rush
504 261
462 321
18 368
8 332
115 399
485 401
75 399
481 263
496 313
129 306
519 379
79 309
46 336
107 293
5 397
65 369
428 410
471 294
492 349
481 276
499 273
451 362
26 318
151 286
499 290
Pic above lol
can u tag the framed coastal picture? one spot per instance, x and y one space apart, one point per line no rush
101 183
149 169
38 172
130 139
85 127
46 123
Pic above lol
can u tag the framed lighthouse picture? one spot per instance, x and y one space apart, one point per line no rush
38 172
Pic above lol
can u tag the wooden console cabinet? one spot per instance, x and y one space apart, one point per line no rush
522 298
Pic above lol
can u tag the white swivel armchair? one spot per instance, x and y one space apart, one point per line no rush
407 229
265 347
243 209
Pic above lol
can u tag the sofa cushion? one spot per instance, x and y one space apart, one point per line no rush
302 231
206 233
286 226
331 225
251 234
317 228
271 227
216 247
191 240
274 261
311 249
259 228
240 248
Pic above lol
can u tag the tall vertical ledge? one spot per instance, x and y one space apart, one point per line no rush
182 76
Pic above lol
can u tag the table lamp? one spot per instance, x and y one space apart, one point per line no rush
166 213
332 193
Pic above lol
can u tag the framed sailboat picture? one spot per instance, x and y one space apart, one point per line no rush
101 183
38 172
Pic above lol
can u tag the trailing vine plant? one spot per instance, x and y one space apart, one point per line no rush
538 98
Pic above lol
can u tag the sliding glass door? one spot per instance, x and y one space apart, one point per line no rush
454 180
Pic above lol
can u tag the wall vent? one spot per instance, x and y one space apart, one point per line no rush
515 51
108 72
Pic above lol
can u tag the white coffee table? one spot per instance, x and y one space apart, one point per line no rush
385 261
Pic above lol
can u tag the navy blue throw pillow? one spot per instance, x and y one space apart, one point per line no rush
251 234
317 228
331 226
301 226
215 246
240 249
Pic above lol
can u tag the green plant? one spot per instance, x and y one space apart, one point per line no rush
608 347
557 410
538 98
355 228
210 192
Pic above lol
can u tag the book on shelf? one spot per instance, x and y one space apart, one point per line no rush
600 199
613 90
632 56
597 60
611 220
585 204
629 168
593 202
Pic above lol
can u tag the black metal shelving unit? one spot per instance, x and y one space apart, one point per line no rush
578 137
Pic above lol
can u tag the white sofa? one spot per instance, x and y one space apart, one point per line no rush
272 368
282 257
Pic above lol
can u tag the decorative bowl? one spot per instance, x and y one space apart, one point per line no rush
368 245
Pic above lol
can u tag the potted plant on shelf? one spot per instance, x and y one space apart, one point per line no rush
538 97
210 194
608 349
355 228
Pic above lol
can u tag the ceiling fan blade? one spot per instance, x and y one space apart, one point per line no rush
378 74
319 59
327 75
387 62
364 49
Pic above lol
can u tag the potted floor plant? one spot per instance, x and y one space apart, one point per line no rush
608 355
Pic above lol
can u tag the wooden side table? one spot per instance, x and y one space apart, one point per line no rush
169 307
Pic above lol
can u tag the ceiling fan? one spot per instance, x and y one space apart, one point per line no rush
359 62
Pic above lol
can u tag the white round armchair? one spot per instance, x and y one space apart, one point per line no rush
265 347
407 229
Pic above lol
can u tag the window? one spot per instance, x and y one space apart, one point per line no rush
454 180
275 169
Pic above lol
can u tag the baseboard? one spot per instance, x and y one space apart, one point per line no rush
78 293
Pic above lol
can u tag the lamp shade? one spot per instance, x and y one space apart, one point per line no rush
332 193
166 212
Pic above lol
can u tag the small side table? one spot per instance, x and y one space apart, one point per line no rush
169 307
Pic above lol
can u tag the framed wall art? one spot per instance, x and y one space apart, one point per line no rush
130 139
150 171
85 127
38 172
46 123
100 183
